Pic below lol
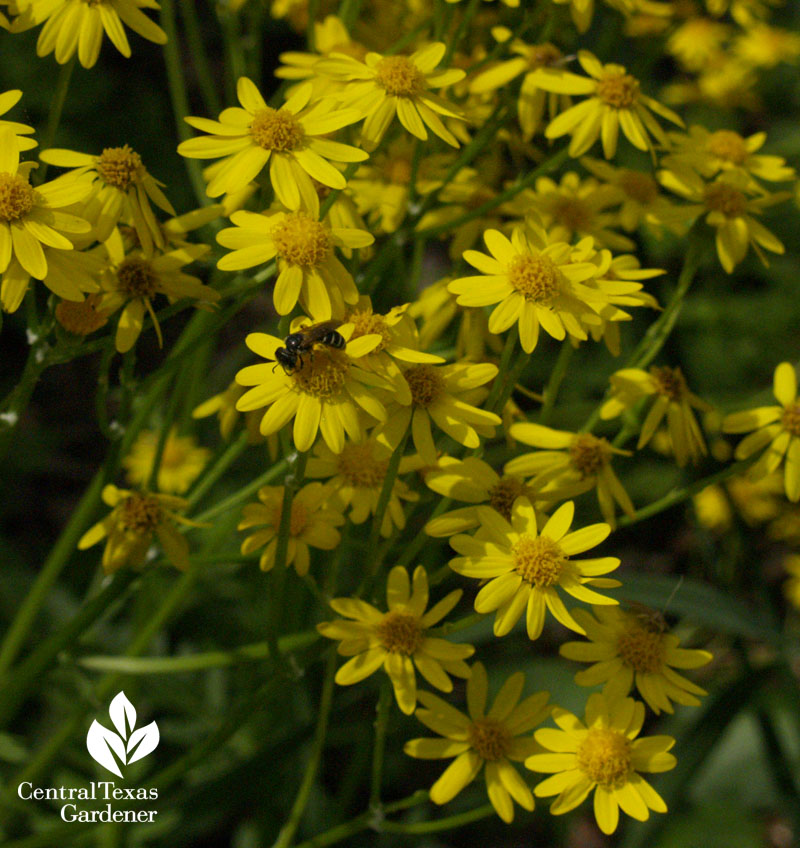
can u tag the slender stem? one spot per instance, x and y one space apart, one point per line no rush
245 492
288 831
231 453
379 748
166 426
463 26
16 401
513 376
348 12
57 101
176 83
438 825
556 379
418 542
194 38
502 372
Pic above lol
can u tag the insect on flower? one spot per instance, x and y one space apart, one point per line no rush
303 341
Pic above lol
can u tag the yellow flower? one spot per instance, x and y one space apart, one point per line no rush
32 219
672 399
182 460
475 482
441 393
312 524
776 426
130 282
224 406
615 101
572 463
128 529
122 189
629 647
763 46
729 210
9 99
75 25
493 739
308 269
356 477
397 640
381 87
326 393
533 101
697 42
524 568
292 139
534 281
602 754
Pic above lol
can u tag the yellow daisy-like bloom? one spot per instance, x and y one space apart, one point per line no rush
182 460
122 189
292 139
312 524
573 207
397 639
629 647
534 282
698 42
729 210
615 100
776 426
31 218
572 463
475 482
763 46
77 25
791 586
223 406
131 281
441 393
533 101
524 568
128 529
326 393
672 399
381 87
710 153
602 754
356 477
495 739
9 99
308 270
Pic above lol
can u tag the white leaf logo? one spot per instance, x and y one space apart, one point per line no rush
125 746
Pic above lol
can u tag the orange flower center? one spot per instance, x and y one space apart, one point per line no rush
535 276
400 633
618 90
137 278
426 384
276 129
368 322
639 186
791 419
669 382
641 648
605 757
81 318
399 76
726 199
728 145
17 197
119 166
489 738
543 55
141 513
539 561
572 213
322 374
299 518
589 454
359 466
503 494
300 240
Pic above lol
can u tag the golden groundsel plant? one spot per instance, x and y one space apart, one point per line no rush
388 366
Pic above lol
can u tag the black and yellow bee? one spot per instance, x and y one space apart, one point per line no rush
296 344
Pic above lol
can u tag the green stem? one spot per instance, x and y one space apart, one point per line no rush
16 401
288 831
438 825
166 426
463 26
502 371
245 492
57 102
176 83
379 748
194 38
231 453
556 379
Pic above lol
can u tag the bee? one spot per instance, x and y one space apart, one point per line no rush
296 344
